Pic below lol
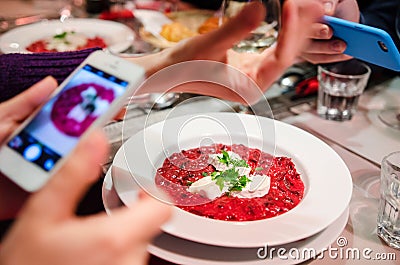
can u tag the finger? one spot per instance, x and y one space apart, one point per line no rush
297 19
295 29
325 58
21 106
326 47
141 220
65 189
320 31
330 6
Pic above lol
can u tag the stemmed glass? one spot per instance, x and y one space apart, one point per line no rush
391 116
263 36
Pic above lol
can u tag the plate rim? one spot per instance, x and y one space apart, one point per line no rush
323 221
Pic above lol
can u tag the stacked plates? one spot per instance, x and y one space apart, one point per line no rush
190 239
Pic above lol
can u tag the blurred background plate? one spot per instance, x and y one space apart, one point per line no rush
117 36
191 19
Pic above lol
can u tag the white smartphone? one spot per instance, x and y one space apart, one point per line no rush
91 96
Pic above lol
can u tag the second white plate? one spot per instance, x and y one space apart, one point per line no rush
181 251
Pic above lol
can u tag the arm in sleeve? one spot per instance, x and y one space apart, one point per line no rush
19 71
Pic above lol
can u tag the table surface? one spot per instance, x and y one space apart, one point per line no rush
361 150
360 231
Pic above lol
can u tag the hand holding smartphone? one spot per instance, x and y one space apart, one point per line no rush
366 43
87 99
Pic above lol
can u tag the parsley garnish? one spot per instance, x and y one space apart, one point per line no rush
230 177
240 184
259 168
61 35
225 158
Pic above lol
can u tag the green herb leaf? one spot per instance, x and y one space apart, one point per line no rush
240 184
230 177
259 168
204 174
214 175
61 35
220 182
225 157
243 180
239 163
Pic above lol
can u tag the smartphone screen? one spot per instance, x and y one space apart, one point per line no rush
57 127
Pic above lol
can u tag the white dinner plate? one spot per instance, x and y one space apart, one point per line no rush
181 251
328 184
117 36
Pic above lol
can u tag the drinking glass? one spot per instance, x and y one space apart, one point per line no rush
389 208
391 116
265 35
340 86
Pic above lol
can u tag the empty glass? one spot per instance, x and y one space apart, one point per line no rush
388 215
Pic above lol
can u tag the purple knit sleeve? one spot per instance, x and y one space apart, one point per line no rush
20 71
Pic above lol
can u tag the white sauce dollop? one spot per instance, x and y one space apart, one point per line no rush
72 41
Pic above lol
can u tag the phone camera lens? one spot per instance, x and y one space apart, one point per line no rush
383 46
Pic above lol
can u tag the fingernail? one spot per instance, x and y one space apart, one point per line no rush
324 32
328 6
337 46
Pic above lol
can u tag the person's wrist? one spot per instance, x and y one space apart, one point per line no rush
154 62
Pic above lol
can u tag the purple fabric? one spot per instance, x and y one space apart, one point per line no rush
20 71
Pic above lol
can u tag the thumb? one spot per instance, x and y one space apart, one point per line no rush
297 18
21 106
330 6
65 189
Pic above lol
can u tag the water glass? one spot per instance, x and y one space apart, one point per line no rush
388 215
340 87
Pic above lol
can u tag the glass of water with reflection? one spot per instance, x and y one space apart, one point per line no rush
340 87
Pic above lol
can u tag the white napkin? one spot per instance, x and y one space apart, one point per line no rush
364 134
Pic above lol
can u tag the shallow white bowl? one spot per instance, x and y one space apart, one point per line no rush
327 179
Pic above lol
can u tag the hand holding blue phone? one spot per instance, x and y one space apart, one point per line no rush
366 43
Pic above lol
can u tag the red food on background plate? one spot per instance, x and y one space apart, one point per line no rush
66 41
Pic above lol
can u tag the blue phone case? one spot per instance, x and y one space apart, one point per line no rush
366 43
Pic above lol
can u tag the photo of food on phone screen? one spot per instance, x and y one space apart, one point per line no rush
56 128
